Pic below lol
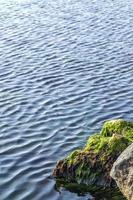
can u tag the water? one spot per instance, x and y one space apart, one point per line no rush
65 67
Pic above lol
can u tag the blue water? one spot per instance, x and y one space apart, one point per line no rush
65 68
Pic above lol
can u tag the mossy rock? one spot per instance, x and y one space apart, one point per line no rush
92 164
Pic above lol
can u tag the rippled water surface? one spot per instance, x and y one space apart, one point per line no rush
65 67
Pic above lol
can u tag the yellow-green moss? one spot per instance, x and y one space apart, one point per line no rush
114 137
107 145
96 142
72 157
118 126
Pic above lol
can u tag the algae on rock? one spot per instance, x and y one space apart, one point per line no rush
118 126
92 164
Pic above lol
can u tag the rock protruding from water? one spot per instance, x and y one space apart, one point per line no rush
122 172
92 164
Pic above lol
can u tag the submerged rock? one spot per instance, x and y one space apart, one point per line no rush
122 172
92 164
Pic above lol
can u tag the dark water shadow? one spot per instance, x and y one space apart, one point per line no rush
92 192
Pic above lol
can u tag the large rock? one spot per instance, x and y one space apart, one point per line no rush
92 164
122 172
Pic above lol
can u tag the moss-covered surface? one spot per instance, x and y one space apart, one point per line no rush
99 193
92 164
119 126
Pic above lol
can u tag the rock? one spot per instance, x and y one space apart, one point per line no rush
122 172
92 164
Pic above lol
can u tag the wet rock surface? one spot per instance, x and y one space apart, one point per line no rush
122 172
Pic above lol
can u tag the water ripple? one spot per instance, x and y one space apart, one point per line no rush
65 68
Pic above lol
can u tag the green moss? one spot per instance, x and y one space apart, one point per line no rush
82 172
96 142
117 145
115 136
118 126
72 158
107 145
129 134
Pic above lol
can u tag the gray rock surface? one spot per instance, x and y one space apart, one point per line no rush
122 172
